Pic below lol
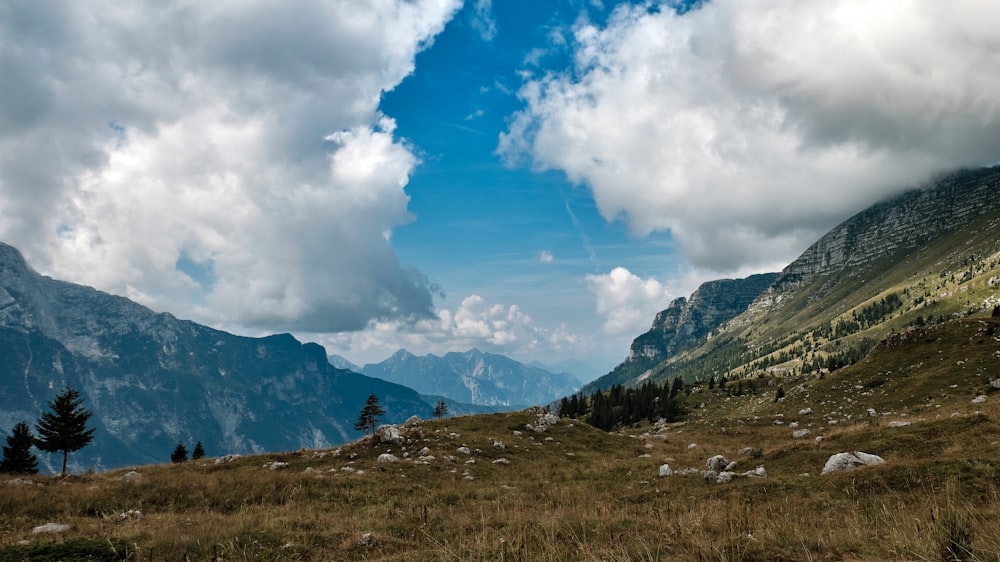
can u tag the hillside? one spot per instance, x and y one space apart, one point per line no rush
522 486
152 380
924 257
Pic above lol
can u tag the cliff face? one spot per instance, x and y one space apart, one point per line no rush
902 223
152 380
685 324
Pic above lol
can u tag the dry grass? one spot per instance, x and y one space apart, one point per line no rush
575 493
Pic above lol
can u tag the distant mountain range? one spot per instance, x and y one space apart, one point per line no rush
473 377
923 257
152 380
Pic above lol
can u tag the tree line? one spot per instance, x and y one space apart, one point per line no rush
621 406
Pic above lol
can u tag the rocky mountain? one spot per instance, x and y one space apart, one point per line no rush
685 324
474 377
152 380
926 256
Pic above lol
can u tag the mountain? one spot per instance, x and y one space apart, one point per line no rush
579 370
152 380
474 377
926 256
343 363
685 324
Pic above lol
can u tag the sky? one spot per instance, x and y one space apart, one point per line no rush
535 178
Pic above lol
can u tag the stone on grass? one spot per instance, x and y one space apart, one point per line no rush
51 528
979 399
388 457
718 463
131 476
849 461
665 470
899 423
390 435
745 452
226 459
805 411
801 433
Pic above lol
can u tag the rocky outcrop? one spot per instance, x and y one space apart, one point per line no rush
902 223
685 324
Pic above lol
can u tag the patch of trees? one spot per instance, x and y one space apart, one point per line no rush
622 406
62 430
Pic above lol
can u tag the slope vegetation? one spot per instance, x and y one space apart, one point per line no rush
495 487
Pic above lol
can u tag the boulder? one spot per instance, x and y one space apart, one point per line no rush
718 463
665 470
390 435
388 457
849 461
801 433
758 472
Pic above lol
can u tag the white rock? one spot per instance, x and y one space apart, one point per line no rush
499 444
818 440
501 460
801 433
412 420
390 434
131 476
692 445
745 452
849 461
899 423
275 465
388 457
51 528
730 467
464 450
226 458
718 463
793 425
424 452
872 412
758 472
805 411
979 399
665 470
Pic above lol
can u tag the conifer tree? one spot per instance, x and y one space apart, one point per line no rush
17 455
369 417
199 452
64 429
440 409
180 454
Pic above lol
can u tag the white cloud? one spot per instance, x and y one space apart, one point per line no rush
545 256
475 323
239 138
749 127
482 19
627 301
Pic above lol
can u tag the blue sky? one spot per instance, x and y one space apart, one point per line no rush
533 178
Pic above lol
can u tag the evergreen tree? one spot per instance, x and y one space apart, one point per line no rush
780 394
64 429
180 454
199 452
369 417
440 409
17 455
996 311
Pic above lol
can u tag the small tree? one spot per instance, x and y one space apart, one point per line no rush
17 455
440 409
199 452
64 429
780 394
369 417
180 454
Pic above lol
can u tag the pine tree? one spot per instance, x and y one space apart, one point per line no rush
64 429
180 454
440 409
369 417
17 455
199 451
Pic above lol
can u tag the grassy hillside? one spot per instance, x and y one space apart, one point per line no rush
575 493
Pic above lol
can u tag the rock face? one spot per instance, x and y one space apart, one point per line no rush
685 324
849 461
152 380
475 377
902 223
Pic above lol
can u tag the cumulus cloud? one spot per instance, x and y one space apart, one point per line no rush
475 323
225 161
748 128
626 300
545 256
482 19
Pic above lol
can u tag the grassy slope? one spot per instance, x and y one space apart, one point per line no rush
575 493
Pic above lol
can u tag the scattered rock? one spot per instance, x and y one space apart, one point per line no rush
275 465
390 435
718 463
745 452
758 472
805 411
818 440
501 460
979 399
423 452
51 528
899 423
21 482
872 412
413 420
464 450
801 433
388 457
692 445
131 476
793 425
849 461
367 540
665 470
227 459
499 444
